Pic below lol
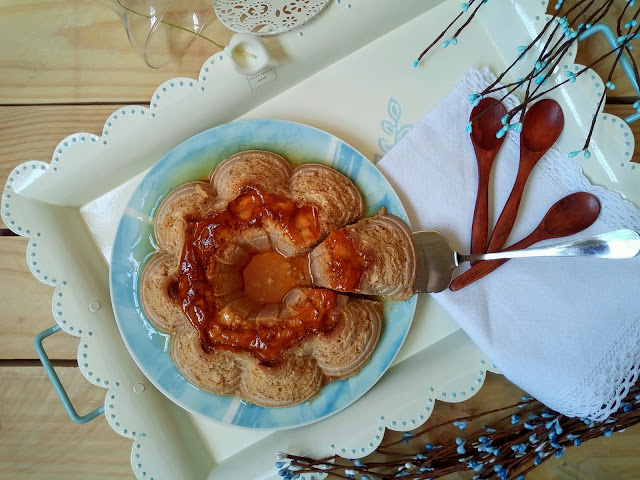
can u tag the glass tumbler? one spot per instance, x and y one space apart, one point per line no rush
160 31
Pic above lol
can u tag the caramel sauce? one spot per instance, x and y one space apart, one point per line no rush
196 292
269 276
267 341
347 263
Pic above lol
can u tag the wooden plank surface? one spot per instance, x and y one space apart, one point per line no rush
33 132
77 51
38 441
26 308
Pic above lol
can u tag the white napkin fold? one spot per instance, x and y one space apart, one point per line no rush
566 330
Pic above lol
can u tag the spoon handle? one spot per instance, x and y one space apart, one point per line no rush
622 243
507 218
481 269
480 225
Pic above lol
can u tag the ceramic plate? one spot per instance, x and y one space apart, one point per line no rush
135 244
266 18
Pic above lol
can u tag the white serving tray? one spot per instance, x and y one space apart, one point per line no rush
345 72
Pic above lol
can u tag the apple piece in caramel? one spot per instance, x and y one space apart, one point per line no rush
374 256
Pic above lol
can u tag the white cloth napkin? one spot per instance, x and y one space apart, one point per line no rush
566 330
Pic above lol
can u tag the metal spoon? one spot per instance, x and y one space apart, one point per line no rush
438 260
541 128
568 216
486 146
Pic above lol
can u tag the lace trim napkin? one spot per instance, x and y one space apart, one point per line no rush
566 330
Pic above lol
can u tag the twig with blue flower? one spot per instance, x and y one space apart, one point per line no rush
566 30
527 436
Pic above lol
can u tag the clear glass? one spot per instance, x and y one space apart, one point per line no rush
160 31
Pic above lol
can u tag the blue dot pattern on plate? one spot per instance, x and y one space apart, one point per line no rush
134 245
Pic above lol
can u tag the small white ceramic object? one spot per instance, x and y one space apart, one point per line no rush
248 54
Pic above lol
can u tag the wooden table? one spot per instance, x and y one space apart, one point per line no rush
65 65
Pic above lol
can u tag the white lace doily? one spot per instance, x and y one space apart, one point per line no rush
595 392
266 17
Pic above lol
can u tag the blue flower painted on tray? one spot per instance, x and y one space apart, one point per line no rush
393 128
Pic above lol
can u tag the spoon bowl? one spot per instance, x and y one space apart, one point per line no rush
489 113
568 216
485 127
542 125
541 128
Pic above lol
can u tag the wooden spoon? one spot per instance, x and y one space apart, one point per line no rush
568 216
541 128
486 146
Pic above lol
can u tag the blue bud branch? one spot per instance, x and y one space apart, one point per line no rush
526 436
562 32
444 32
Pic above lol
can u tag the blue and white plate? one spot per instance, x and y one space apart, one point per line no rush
135 244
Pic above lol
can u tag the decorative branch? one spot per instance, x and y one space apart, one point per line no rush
562 32
528 435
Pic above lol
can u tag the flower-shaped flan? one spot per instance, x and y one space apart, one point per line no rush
231 281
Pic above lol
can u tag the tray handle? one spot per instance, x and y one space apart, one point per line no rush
55 380
624 61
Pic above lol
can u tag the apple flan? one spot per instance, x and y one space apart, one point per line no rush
231 281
